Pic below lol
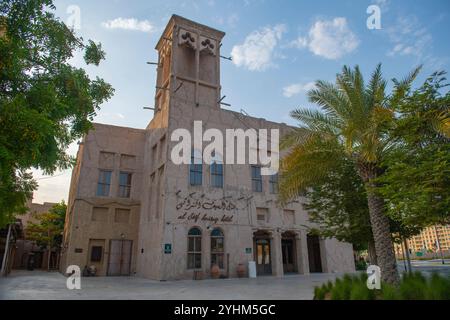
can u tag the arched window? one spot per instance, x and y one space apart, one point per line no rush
217 248
194 249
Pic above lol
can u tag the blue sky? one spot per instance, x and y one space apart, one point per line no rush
279 48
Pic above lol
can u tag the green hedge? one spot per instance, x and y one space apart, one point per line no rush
412 287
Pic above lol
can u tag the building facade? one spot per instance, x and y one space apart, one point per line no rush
428 243
132 210
26 249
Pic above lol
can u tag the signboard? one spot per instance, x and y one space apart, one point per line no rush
419 254
206 210
167 248
248 250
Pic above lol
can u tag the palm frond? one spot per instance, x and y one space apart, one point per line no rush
306 164
331 99
316 121
401 87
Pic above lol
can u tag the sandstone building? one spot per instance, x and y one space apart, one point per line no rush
131 210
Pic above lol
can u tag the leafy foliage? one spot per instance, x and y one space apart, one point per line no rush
353 122
47 232
45 103
416 182
338 206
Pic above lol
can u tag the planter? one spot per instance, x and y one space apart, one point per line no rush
215 271
241 271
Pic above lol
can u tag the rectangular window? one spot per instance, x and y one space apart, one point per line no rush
104 182
217 175
256 179
124 184
96 253
273 183
195 170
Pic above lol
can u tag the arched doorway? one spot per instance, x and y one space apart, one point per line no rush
262 250
288 251
314 254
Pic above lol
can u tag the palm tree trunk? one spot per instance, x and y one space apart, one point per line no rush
384 247
372 252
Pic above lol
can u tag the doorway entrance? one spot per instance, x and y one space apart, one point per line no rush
288 252
262 253
119 257
314 256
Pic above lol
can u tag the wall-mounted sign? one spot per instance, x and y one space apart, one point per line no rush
248 250
207 210
78 250
197 216
205 203
167 248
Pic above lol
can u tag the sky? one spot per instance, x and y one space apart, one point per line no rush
278 50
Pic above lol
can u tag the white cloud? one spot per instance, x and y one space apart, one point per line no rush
409 38
330 39
257 51
129 24
296 88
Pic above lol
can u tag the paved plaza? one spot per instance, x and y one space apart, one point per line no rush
52 285
44 285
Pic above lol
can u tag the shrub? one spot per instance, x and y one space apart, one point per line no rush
439 288
412 287
389 292
361 292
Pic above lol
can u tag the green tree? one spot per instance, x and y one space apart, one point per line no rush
416 182
45 103
47 232
353 121
338 205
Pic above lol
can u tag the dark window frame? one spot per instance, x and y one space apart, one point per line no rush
257 185
194 238
195 171
96 256
216 173
273 183
217 254
103 183
125 189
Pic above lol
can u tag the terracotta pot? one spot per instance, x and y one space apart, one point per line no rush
215 271
241 272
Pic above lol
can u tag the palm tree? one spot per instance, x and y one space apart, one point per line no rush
353 123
